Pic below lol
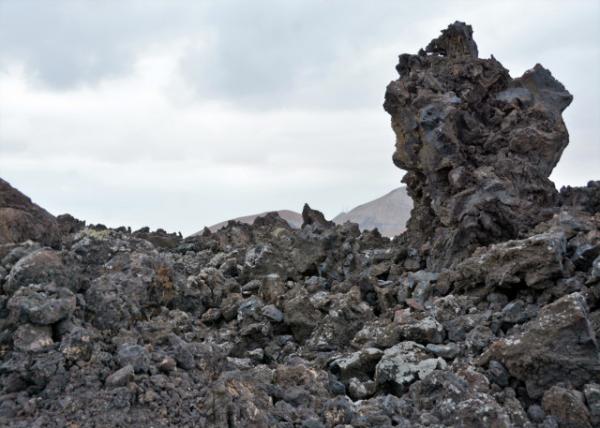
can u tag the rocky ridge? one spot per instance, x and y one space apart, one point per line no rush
485 313
293 218
21 219
388 213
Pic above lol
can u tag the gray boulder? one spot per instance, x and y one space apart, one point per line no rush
405 363
32 338
38 267
41 304
558 346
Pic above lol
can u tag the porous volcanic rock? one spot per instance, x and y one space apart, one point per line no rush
478 146
558 346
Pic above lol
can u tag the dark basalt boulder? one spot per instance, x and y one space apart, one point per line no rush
567 407
558 346
37 267
314 217
532 262
68 224
478 146
160 238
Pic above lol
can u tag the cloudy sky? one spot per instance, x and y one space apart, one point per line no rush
180 114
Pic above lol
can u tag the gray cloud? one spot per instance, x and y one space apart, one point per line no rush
70 43
310 54
269 54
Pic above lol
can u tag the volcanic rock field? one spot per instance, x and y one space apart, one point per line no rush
484 313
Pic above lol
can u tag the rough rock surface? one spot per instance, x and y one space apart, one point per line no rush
559 345
21 219
478 145
486 313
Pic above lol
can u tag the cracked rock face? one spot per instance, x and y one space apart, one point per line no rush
478 146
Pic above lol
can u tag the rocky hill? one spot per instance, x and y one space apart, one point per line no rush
388 214
293 218
21 219
484 313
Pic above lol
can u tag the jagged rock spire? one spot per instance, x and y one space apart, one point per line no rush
456 41
478 146
314 217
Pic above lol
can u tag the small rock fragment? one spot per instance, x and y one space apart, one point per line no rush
134 355
404 363
121 377
32 338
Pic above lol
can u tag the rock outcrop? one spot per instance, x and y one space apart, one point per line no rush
559 345
21 219
388 213
486 313
478 146
293 218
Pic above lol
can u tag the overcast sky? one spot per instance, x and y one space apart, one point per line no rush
180 114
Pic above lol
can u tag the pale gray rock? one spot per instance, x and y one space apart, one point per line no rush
121 377
33 338
404 363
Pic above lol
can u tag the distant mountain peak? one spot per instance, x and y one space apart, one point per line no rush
388 214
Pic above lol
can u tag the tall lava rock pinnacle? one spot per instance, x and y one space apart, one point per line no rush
478 146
